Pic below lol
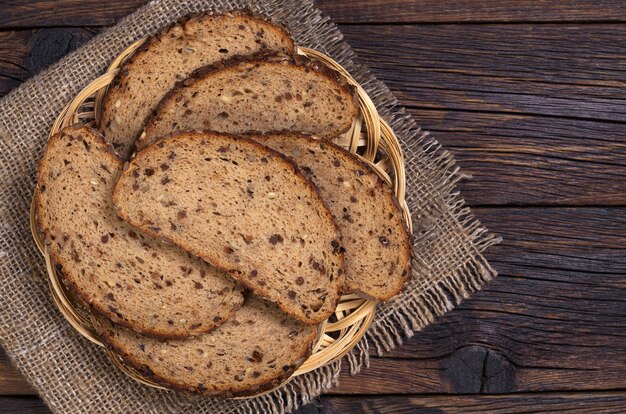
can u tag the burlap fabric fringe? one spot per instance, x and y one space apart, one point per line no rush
72 375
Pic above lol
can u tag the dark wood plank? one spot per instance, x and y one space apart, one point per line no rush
574 71
552 318
46 13
592 403
26 52
525 160
582 403
453 11
514 159
545 70
50 13
11 381
14 51
22 405
552 321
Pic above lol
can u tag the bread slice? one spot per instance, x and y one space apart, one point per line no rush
135 281
265 93
171 56
244 208
254 351
373 231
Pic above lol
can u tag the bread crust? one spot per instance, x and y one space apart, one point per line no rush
220 264
406 233
114 90
381 184
180 385
56 260
265 57
60 264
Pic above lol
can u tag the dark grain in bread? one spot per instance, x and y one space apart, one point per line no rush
271 91
256 350
172 55
132 279
244 208
373 230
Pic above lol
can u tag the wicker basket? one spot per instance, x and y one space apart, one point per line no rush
369 137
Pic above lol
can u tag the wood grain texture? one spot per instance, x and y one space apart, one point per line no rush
553 320
22 405
574 71
26 52
515 158
532 160
51 13
14 50
540 70
535 114
580 403
583 403
472 11
38 13
11 381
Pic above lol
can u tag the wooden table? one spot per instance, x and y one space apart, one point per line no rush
531 98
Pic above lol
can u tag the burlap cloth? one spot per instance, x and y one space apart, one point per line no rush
74 376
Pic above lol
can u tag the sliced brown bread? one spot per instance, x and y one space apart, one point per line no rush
255 350
243 208
171 56
132 279
267 93
374 234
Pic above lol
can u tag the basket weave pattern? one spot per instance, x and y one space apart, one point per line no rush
369 137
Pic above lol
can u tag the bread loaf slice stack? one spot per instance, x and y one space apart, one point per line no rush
244 208
254 351
161 248
133 280
373 230
267 92
171 56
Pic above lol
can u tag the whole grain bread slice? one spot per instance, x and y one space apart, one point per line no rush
135 281
254 351
268 92
373 230
243 208
172 55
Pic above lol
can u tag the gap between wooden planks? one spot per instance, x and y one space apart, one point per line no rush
517 126
552 321
583 403
36 13
573 71
549 130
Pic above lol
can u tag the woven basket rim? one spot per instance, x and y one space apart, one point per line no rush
369 134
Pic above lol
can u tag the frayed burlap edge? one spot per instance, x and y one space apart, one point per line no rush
421 304
448 240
